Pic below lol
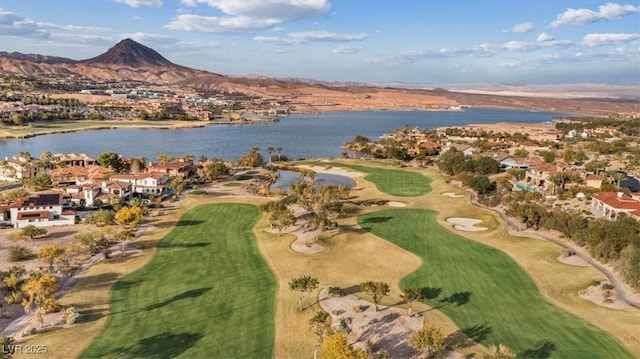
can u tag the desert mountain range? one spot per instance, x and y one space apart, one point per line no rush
129 60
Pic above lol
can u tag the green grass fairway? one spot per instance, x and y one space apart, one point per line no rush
393 182
486 293
208 293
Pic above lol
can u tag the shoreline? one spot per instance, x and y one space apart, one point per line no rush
122 124
114 124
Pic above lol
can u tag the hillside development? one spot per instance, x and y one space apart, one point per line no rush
201 285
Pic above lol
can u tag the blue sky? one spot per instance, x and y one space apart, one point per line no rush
413 41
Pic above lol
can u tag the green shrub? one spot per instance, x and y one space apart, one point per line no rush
19 253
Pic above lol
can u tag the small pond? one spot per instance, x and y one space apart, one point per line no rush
285 178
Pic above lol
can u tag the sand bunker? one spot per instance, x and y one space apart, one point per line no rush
573 260
396 204
466 224
451 195
333 171
609 299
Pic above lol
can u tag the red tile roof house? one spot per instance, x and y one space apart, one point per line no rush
16 169
147 183
107 192
40 210
610 204
180 168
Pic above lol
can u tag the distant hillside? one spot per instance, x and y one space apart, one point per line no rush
126 61
130 54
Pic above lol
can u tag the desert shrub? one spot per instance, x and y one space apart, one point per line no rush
28 331
607 286
73 316
101 216
33 231
337 312
51 305
356 309
19 253
344 325
14 297
335 292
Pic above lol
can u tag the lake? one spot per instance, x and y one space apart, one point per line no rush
285 178
300 136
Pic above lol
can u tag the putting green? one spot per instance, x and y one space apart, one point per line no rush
390 181
485 292
206 294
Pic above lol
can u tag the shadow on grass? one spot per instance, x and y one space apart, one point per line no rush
458 340
380 219
188 294
460 298
541 350
478 332
125 284
189 223
98 281
430 292
164 345
183 245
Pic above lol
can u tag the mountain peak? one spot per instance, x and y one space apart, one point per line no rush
130 53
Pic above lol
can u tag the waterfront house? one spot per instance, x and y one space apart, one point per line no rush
66 176
16 169
182 169
610 205
40 210
154 183
74 160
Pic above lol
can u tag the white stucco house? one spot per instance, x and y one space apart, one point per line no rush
40 210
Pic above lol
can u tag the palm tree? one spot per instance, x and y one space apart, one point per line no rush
270 150
279 149
618 177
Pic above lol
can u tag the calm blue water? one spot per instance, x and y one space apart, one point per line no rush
285 178
300 136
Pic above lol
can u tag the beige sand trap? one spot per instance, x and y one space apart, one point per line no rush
333 171
466 224
595 294
396 204
573 260
389 328
305 236
452 195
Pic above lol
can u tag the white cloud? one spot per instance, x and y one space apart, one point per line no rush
544 37
608 11
247 16
141 3
295 38
521 27
144 37
592 40
346 50
216 24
